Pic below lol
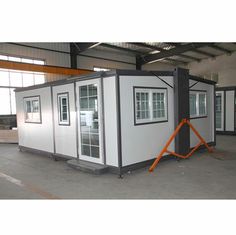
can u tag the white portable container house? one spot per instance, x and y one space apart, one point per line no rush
118 119
226 110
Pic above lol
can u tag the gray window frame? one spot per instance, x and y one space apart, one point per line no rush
151 90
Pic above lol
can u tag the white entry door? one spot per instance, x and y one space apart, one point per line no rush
220 111
89 121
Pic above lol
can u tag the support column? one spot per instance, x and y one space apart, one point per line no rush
181 109
138 63
73 56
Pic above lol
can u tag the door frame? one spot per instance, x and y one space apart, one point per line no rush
100 108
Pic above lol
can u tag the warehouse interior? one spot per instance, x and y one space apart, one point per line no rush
117 117
25 175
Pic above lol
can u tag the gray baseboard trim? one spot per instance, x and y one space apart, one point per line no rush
144 164
36 151
137 166
55 156
148 163
111 169
226 132
8 142
62 157
203 147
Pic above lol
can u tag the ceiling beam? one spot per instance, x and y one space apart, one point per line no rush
5 64
73 56
221 49
203 53
194 50
172 52
140 44
161 49
175 61
83 46
121 48
190 57
173 43
207 53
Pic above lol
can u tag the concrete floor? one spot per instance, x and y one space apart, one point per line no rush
28 176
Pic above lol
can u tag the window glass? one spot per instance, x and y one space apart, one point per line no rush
63 104
142 105
218 111
197 103
35 106
150 105
13 101
23 60
32 109
39 79
202 104
15 79
28 79
83 91
89 120
5 101
92 90
158 105
193 104
12 58
28 106
40 62
4 78
98 69
3 57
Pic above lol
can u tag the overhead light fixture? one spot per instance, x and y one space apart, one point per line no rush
154 52
96 44
153 61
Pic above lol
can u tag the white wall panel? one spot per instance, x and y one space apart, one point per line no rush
110 116
205 126
143 142
35 135
65 136
229 111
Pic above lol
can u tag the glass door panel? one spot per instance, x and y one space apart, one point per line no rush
89 121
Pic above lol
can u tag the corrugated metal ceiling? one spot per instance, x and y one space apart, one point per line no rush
147 48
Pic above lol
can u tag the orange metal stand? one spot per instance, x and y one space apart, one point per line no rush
165 149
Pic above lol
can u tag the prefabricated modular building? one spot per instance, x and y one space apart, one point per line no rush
120 119
226 110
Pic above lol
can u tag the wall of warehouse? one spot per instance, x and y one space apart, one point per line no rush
158 66
224 65
62 58
86 62
50 57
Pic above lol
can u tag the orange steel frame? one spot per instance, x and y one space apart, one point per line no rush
4 64
165 149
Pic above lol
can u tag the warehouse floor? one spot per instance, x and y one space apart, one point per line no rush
28 176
